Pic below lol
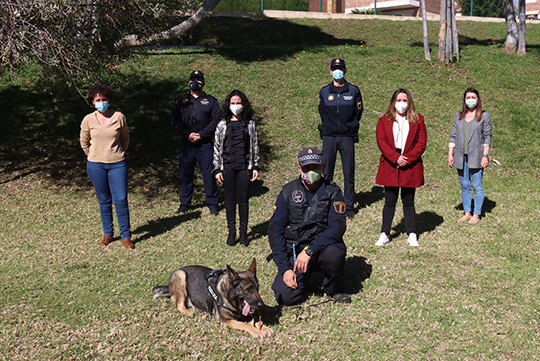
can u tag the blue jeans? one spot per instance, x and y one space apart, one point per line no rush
110 182
467 177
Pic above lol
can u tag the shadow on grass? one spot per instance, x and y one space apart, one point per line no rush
487 207
41 135
365 199
470 41
40 132
464 41
425 222
258 39
161 226
259 231
357 270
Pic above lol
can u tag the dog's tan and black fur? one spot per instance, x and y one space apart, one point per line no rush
231 297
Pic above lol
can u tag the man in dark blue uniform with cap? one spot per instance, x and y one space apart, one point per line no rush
306 232
195 116
340 108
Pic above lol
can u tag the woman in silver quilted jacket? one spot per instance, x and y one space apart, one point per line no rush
236 160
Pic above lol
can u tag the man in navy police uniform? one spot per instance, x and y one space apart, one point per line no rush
340 108
306 232
195 116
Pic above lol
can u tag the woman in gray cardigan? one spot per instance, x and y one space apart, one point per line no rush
470 157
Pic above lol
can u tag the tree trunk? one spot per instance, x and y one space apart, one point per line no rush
424 27
448 34
512 31
522 19
197 17
442 30
449 31
455 32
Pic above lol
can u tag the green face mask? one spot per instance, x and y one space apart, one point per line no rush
312 176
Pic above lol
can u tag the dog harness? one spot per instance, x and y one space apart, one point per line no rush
212 279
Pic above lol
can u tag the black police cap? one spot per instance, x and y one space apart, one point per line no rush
310 155
196 74
337 62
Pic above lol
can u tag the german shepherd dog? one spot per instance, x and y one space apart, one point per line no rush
231 297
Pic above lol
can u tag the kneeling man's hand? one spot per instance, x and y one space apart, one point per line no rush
289 277
302 262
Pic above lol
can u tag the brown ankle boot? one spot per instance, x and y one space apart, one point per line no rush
106 241
127 243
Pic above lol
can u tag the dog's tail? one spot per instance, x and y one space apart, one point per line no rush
160 292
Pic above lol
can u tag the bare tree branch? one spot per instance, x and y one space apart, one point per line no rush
196 18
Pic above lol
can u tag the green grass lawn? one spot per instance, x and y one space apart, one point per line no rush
468 293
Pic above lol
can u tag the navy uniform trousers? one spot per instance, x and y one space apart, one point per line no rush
331 261
202 153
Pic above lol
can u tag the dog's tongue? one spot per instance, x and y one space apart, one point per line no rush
245 310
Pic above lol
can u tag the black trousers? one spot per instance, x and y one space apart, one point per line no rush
345 146
409 212
236 189
202 153
331 261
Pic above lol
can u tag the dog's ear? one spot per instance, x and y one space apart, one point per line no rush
233 275
253 267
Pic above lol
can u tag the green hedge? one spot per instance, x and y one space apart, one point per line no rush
254 6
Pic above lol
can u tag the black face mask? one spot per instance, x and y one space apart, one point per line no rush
195 85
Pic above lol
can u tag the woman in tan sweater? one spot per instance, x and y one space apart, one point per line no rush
105 138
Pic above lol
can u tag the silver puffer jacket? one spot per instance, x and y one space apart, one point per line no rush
253 151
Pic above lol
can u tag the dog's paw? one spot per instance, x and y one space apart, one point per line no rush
187 312
266 332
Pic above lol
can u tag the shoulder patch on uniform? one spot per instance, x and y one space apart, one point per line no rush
339 207
359 105
298 196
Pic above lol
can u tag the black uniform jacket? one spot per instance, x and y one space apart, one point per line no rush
196 115
315 219
340 109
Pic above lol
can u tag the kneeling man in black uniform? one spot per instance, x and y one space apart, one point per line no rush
306 232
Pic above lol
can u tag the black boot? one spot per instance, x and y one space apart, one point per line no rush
230 210
231 239
243 211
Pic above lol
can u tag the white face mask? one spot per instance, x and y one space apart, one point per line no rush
401 107
236 108
471 103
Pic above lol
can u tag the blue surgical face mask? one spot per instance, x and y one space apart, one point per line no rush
471 103
102 106
338 74
312 176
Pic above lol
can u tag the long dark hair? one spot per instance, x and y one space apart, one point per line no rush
410 113
247 113
479 110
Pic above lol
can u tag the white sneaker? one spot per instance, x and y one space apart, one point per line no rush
412 241
383 239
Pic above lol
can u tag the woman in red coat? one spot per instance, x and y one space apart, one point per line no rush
402 138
